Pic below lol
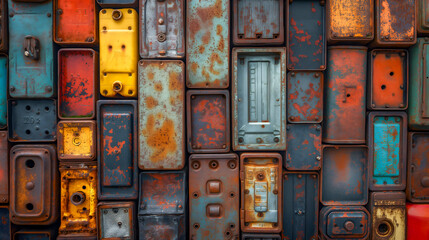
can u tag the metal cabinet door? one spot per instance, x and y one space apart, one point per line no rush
3 92
4 170
77 140
418 168
116 220
172 227
417 218
304 147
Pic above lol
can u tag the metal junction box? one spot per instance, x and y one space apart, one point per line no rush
304 147
116 220
417 218
5 226
162 227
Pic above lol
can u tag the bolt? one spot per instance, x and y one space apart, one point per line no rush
316 75
322 66
292 74
49 88
48 14
161 21
11 15
59 11
291 118
276 139
275 192
246 191
259 140
318 158
12 89
401 105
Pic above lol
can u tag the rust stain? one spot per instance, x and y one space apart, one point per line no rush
151 102
160 137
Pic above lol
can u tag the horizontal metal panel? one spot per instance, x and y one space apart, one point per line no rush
171 227
30 234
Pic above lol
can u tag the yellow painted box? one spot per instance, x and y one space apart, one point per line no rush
76 140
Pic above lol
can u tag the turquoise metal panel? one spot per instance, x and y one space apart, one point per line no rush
3 91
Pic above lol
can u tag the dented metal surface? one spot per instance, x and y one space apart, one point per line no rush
116 220
76 140
304 147
417 219
5 226
3 85
4 170
422 20
418 167
161 115
253 236
207 43
156 227
4 36
214 196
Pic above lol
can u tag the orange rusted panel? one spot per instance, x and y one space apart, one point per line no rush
76 140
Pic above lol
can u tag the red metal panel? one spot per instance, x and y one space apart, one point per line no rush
417 220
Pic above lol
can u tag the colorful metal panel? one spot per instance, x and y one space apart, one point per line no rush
117 152
345 95
422 17
162 227
75 22
161 115
214 190
207 44
162 29
3 86
344 222
31 56
32 120
304 147
116 220
300 205
417 219
388 213
387 142
250 236
118 52
76 140
208 123
259 99
344 175
162 192
117 3
5 227
34 234
306 38
305 97
418 167
77 83
261 192
388 79
4 39
4 170
34 185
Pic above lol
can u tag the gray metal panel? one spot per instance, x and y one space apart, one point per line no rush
115 222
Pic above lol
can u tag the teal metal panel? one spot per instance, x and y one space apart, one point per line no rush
3 91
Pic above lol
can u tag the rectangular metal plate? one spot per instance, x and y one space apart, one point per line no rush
261 192
162 192
5 227
117 3
422 16
418 167
207 43
77 83
162 29
388 79
32 120
387 142
33 234
304 147
4 39
118 52
161 115
259 99
117 154
305 97
214 196
4 170
258 22
306 35
345 92
29 76
249 236
76 140
417 217
208 123
3 85
171 227
300 205
75 22
344 177
116 220
33 185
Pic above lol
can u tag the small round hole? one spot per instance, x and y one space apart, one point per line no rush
84 209
110 47
129 11
232 225
105 92
28 108
383 87
76 198
83 187
129 28
227 233
29 206
130 92
196 225
47 132
47 109
213 164
231 194
29 163
28 131
348 95
391 73
123 46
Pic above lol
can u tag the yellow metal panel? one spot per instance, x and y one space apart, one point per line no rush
76 140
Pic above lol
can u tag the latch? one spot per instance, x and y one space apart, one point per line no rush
32 47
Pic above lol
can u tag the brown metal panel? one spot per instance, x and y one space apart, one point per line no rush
418 167
422 17
35 233
116 220
76 140
4 170
3 26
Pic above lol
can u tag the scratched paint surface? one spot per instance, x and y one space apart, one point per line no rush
396 21
76 140
162 227
3 94
418 167
304 147
344 222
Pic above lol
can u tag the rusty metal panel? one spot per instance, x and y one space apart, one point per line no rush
304 147
75 22
117 3
259 99
76 140
116 220
250 236
305 97
161 115
261 192
345 91
388 215
422 17
4 39
5 227
344 222
300 205
117 152
258 22
3 85
344 175
162 29
417 219
78 200
418 167
4 170
387 142
162 192
32 120
35 234
34 185
208 124
306 39
77 83
388 79
207 44
155 227
214 196
350 21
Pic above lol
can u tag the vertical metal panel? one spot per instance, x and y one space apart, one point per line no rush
417 219
208 124
300 205
344 175
4 39
77 83
422 17
117 154
117 3
153 227
75 22
418 167
345 95
162 29
32 120
4 170
387 142
388 79
214 196
76 140
33 185
250 236
118 52
306 35
116 220
259 99
304 147
5 230
161 115
207 44
31 57
261 192
34 234
3 86
305 97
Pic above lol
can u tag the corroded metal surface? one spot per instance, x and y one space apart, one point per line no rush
116 220
77 140
4 170
418 167
304 147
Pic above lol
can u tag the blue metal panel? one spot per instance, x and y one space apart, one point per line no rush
157 227
4 223
304 147
3 91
